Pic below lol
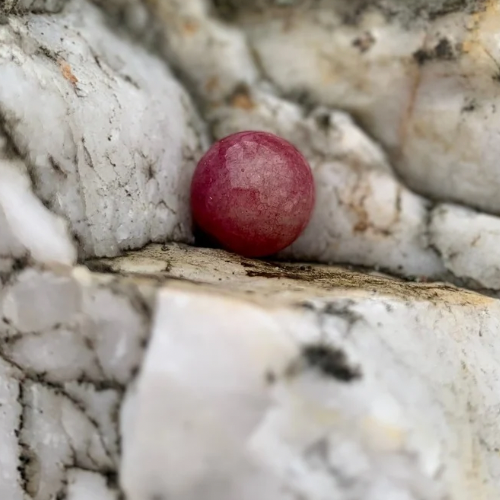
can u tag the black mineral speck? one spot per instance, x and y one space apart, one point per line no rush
443 51
331 362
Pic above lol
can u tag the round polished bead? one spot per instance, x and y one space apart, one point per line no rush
253 193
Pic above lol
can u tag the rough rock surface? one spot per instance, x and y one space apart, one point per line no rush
421 77
321 383
65 362
321 380
36 6
179 372
424 85
123 181
371 220
397 68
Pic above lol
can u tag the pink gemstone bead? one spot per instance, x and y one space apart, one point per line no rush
253 193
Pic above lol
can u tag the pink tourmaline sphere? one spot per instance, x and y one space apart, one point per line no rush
253 193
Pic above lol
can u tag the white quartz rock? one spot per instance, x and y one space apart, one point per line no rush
234 433
200 402
370 64
109 137
213 56
308 389
327 52
363 215
68 348
10 249
46 310
86 485
57 432
38 6
271 379
26 226
10 412
65 332
421 77
134 14
371 67
468 242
